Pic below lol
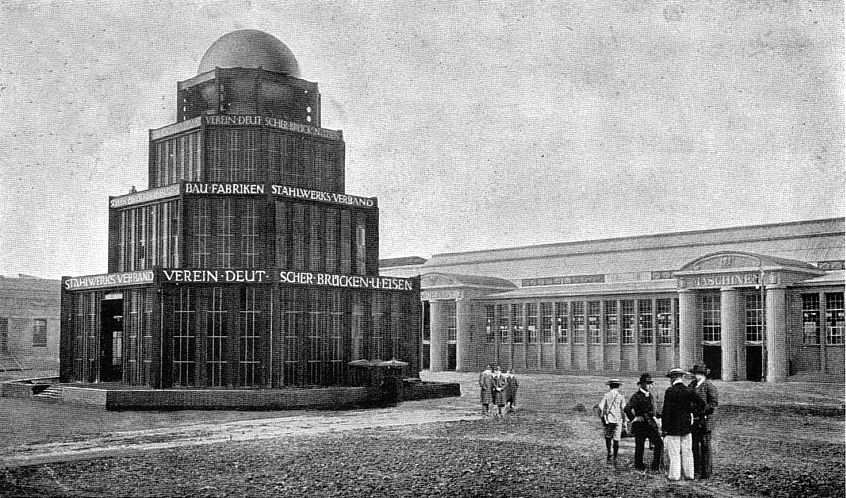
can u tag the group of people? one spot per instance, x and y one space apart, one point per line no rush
687 422
499 389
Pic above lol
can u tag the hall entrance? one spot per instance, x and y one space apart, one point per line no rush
111 339
754 363
713 358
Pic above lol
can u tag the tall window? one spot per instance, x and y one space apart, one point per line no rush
593 322
202 233
628 314
331 240
4 335
531 322
490 317
517 322
562 324
39 333
449 319
754 318
578 322
711 328
811 318
612 327
248 164
217 339
184 338
834 318
647 328
225 232
360 247
249 232
316 330
546 322
663 310
248 354
336 337
502 316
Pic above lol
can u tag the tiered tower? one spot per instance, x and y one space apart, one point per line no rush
245 263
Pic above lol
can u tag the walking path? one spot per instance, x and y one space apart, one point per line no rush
120 443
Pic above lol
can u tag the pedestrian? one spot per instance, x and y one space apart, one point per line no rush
511 385
611 410
703 421
486 386
679 404
498 389
641 411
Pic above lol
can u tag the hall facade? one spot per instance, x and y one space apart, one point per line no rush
245 263
756 302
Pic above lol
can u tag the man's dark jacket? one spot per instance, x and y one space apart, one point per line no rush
640 405
708 393
679 403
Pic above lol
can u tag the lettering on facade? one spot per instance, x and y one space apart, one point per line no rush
316 195
277 123
346 281
830 265
216 276
661 275
720 280
152 194
110 280
570 279
175 128
225 188
226 276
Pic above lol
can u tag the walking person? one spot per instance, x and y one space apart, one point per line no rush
703 421
679 404
611 409
486 386
511 385
499 383
641 411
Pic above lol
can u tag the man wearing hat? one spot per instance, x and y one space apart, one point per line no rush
611 409
703 421
641 411
679 404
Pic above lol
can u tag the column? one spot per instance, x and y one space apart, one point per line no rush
776 334
465 360
690 341
732 336
438 340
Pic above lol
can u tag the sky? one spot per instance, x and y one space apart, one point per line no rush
477 124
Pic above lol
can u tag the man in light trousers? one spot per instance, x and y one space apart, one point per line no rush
679 404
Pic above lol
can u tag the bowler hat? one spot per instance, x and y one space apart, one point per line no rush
700 369
645 378
614 381
675 372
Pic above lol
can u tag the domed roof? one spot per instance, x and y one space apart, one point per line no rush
250 48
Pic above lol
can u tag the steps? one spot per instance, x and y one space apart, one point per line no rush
51 393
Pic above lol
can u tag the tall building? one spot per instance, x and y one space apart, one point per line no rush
245 263
753 303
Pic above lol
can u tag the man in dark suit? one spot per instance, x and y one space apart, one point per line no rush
679 404
641 411
703 421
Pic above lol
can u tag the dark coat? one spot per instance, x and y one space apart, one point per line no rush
640 405
679 404
708 393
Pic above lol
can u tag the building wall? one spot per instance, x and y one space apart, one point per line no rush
30 309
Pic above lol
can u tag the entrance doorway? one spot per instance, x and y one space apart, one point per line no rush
111 340
452 362
713 357
754 365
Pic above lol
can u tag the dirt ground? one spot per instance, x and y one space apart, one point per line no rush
771 440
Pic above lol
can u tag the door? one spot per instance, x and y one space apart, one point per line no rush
713 357
111 340
451 356
754 365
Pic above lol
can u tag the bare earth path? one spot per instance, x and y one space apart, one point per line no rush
125 442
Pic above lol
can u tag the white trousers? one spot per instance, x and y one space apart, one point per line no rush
680 451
